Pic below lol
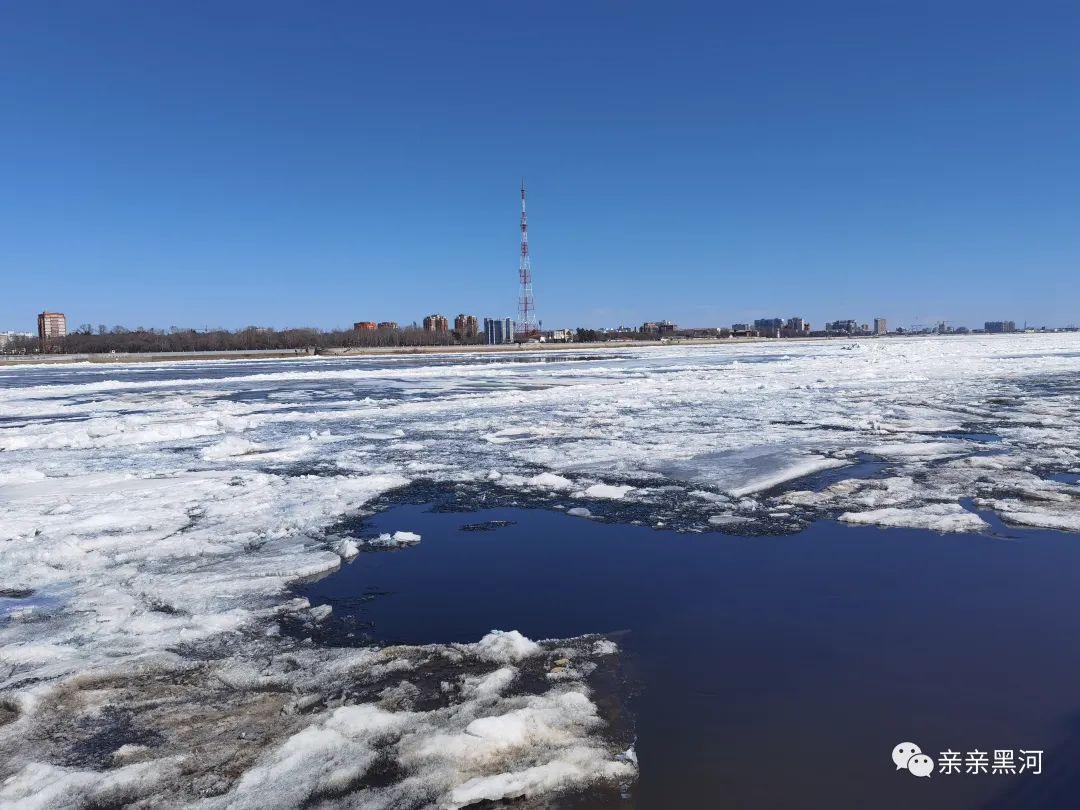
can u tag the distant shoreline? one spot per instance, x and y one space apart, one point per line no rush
355 351
405 351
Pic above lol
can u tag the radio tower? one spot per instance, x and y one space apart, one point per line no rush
526 326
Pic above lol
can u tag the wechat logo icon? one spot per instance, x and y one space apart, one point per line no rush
908 756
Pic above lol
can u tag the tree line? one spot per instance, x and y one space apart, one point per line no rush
87 340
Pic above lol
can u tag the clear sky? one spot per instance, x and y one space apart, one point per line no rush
224 163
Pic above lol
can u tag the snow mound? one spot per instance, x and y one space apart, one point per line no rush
230 447
547 480
506 646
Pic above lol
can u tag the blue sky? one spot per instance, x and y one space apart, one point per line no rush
229 163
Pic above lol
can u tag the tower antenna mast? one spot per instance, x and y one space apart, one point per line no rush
526 326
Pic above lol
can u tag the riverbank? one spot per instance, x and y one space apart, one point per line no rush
353 351
359 351
148 357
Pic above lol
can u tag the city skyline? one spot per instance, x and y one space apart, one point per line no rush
912 171
469 328
790 326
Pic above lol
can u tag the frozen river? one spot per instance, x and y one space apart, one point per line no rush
155 521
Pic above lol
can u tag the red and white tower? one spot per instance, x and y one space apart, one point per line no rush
526 325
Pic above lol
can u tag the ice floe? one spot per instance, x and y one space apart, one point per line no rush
395 539
943 517
747 470
612 492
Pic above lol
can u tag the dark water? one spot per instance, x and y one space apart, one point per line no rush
774 672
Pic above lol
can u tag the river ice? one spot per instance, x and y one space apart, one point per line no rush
152 518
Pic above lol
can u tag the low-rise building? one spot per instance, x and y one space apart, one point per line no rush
664 327
9 337
389 326
848 327
703 332
364 326
1000 327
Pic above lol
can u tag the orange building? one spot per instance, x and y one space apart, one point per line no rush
466 325
51 325
436 323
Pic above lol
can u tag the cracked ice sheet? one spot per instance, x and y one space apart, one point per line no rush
156 567
619 420
750 469
150 564
151 573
